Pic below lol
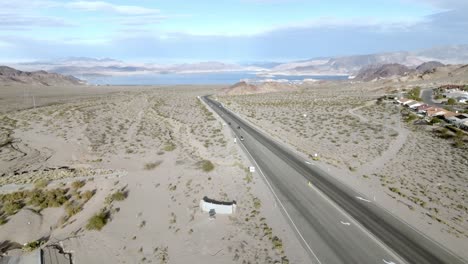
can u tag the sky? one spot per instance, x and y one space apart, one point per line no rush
175 31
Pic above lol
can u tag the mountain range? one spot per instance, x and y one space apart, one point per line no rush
343 65
9 75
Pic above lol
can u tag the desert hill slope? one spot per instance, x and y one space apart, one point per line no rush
10 76
244 87
374 72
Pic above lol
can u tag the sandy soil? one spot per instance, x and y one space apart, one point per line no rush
408 169
148 143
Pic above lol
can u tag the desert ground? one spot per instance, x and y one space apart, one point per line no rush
414 171
116 174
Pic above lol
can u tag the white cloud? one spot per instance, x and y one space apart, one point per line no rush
443 4
108 7
10 21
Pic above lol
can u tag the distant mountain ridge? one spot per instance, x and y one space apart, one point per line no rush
340 65
10 75
351 65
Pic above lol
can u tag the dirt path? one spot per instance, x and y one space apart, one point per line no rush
379 162
132 130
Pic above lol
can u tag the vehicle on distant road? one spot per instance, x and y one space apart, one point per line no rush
241 138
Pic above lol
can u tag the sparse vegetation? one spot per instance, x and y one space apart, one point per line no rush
41 183
116 196
78 184
152 165
257 203
12 207
169 147
87 195
206 165
97 221
31 246
414 93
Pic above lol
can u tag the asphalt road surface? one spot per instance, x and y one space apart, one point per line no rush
334 223
426 96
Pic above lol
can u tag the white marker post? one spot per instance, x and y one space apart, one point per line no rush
252 169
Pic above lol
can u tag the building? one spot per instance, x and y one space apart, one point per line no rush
451 87
414 104
459 120
403 100
422 108
435 111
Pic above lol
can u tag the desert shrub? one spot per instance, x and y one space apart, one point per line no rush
14 196
97 221
117 196
3 220
87 195
78 184
257 203
458 143
411 117
152 165
445 133
41 183
248 177
206 165
51 198
31 246
169 146
435 120
414 93
73 209
451 101
277 243
12 207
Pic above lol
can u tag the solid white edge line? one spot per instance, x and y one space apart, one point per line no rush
364 230
282 206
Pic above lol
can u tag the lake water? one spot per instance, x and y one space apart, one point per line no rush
196 78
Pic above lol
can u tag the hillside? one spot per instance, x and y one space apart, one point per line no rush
429 66
10 76
244 87
352 64
375 72
446 74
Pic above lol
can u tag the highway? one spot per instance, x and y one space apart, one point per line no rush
334 223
